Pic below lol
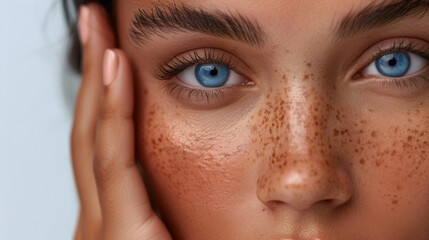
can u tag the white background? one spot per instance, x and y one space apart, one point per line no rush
37 192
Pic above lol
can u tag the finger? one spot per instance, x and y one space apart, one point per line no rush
127 213
78 233
96 36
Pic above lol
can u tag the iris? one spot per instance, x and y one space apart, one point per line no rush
393 64
212 75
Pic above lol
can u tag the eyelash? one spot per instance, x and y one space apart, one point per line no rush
403 46
167 71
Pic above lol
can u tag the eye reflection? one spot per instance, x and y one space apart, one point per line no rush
210 75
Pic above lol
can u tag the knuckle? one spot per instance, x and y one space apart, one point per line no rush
150 228
108 112
103 167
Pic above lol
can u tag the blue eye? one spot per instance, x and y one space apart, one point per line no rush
396 64
210 75
393 64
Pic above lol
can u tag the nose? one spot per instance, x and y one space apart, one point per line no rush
303 185
303 169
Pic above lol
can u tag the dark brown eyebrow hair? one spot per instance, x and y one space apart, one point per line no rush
173 18
379 15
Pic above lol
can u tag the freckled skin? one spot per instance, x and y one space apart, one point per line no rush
305 153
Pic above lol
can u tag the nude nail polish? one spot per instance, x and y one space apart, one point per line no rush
110 67
84 24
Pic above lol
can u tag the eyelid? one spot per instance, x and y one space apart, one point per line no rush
417 64
169 69
416 46
200 97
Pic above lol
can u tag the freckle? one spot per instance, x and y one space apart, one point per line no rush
338 117
377 163
410 138
362 161
373 134
308 64
275 70
284 77
395 201
306 76
398 187
336 132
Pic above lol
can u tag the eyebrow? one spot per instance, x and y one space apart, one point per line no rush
174 18
379 15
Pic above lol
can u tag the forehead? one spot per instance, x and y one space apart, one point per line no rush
291 17
290 10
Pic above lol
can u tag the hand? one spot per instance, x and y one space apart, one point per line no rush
113 198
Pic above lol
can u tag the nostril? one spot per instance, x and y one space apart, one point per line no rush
331 203
328 202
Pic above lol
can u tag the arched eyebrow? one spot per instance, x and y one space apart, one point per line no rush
173 18
379 15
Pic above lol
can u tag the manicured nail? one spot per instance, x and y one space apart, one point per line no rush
110 67
84 24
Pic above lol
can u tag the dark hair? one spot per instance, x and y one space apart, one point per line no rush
71 8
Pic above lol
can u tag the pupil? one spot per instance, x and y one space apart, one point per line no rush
213 72
392 62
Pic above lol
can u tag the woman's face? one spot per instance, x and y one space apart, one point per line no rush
283 119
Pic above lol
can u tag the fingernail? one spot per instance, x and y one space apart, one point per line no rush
110 67
84 24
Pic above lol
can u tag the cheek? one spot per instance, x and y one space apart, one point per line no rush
394 157
389 162
198 172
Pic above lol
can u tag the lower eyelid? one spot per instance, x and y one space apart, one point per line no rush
409 83
406 88
198 97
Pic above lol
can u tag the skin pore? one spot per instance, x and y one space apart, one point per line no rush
305 145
